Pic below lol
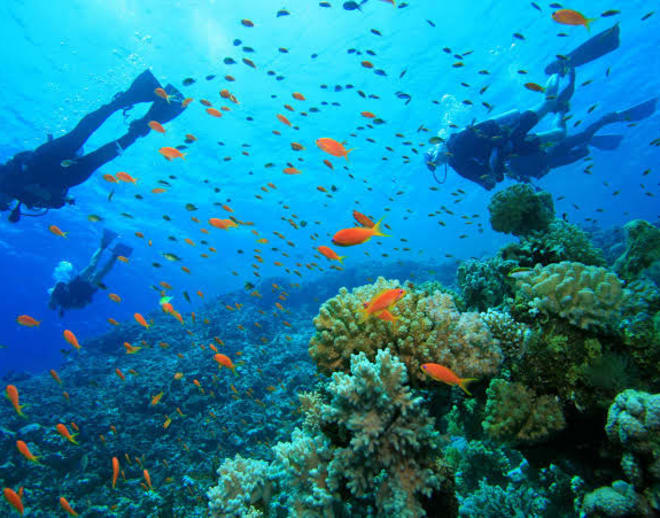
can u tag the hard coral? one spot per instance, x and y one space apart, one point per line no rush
514 413
430 329
518 210
589 297
642 249
484 284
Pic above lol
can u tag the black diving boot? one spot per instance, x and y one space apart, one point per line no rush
108 237
161 111
122 249
140 91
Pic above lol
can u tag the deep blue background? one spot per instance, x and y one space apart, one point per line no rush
62 59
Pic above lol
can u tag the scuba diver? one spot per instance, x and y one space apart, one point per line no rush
41 179
73 290
485 152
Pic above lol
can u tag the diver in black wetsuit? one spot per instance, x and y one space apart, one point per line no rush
76 291
41 179
485 152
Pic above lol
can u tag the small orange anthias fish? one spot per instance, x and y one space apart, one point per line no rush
571 17
27 321
283 119
12 395
446 375
333 147
140 320
160 92
64 432
156 126
125 177
57 231
14 498
25 451
170 153
147 478
328 252
383 300
223 224
71 338
534 87
115 471
362 219
357 235
224 361
67 507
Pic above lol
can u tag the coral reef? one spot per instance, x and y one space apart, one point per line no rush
430 329
561 241
616 501
484 284
515 413
589 297
518 210
512 336
642 249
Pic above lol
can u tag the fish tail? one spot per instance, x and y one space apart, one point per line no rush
363 315
73 438
588 23
462 383
376 228
341 258
233 369
347 152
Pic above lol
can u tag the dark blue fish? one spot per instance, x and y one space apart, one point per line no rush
283 12
324 4
536 6
403 73
209 77
430 22
376 32
404 95
351 6
229 61
188 81
237 42
380 72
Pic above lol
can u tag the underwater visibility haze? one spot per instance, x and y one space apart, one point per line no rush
330 259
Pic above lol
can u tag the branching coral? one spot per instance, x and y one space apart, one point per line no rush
514 413
589 297
518 210
430 329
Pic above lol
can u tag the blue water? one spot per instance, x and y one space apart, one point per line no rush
62 60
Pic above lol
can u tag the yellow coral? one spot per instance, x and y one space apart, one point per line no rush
587 296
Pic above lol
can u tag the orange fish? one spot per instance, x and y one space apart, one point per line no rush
64 432
120 374
383 300
298 96
109 178
55 376
113 322
140 320
160 92
446 375
114 297
367 64
131 349
226 94
12 395
223 224
71 338
291 170
571 17
125 177
224 360
362 219
25 451
331 254
296 146
67 507
328 163
368 115
156 399
158 190
123 259
283 119
534 87
14 498
186 101
214 112
357 235
147 478
156 126
27 321
115 471
170 153
57 231
178 375
190 136
333 147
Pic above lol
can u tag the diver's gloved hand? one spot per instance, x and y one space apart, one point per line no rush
431 157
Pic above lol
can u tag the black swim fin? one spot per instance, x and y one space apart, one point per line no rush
606 142
163 111
122 249
597 46
637 112
140 91
108 236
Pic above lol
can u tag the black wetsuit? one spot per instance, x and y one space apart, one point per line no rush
77 293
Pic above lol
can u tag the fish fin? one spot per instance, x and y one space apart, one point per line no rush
347 152
376 228
341 258
588 23
462 383
233 369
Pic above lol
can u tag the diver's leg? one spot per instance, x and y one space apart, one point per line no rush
557 133
88 272
98 276
141 90
562 155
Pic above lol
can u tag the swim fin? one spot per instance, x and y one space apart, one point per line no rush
595 47
637 112
140 91
163 111
122 249
108 236
606 142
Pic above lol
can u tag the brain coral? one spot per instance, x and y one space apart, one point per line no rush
430 329
589 297
518 210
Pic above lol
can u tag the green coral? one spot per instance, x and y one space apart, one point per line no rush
589 297
430 329
642 249
484 284
561 241
515 413
518 210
